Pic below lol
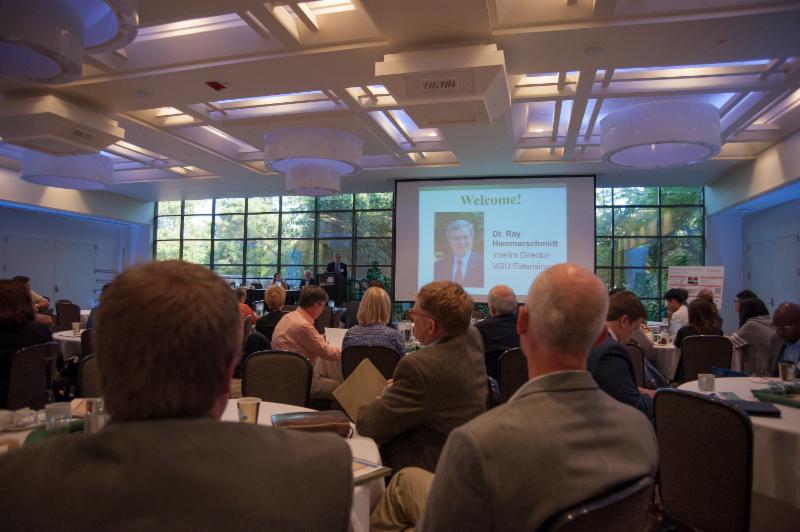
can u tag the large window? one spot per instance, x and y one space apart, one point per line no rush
641 232
249 239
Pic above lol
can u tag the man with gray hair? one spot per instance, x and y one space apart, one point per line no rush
461 265
499 330
557 442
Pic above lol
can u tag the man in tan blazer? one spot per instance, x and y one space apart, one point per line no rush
557 442
166 462
433 390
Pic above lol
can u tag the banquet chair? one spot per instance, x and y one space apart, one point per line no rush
700 353
67 314
383 358
30 376
324 319
59 301
705 449
86 342
622 510
88 377
277 377
512 372
257 286
637 357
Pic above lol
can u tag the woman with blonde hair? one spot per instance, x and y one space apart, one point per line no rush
373 314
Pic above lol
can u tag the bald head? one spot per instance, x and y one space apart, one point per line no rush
566 311
502 300
786 321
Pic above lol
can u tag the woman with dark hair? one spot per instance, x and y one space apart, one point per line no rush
701 321
755 343
18 328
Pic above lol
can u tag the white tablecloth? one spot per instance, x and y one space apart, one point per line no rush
776 442
365 496
68 343
667 357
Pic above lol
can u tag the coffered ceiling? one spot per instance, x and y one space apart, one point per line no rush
204 80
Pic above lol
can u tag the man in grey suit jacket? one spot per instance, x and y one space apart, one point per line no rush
166 461
559 441
433 390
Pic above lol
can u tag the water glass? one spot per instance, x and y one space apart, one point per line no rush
705 382
96 417
76 328
787 371
57 417
248 409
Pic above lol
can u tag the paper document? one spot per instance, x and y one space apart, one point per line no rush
362 386
334 336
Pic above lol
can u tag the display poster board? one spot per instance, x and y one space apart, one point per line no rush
695 278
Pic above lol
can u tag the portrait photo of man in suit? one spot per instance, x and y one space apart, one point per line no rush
461 263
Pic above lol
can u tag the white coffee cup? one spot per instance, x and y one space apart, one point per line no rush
705 382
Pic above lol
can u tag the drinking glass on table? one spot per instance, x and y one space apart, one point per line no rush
248 409
787 371
57 417
76 328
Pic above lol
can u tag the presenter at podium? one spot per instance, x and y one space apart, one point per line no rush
462 265
337 266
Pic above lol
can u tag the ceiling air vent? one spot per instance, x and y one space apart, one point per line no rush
435 85
449 86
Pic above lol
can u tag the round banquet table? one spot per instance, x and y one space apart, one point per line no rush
667 357
776 441
365 496
68 343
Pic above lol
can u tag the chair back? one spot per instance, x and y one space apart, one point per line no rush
86 342
289 308
257 286
512 372
700 353
67 314
278 377
59 301
88 377
324 319
30 376
637 357
705 449
622 510
385 359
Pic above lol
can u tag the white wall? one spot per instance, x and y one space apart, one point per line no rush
772 253
94 204
774 168
724 248
118 244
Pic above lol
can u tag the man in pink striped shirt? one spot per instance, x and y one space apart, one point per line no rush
296 332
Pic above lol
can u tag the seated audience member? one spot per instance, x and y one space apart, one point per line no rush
740 297
556 443
434 390
350 316
701 321
499 330
307 279
609 361
786 321
18 328
277 280
373 313
676 308
756 340
244 308
274 299
708 294
295 332
165 461
40 304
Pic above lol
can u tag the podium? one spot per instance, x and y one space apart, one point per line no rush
335 284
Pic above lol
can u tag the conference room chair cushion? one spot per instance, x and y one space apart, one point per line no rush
621 510
512 372
705 451
383 358
637 357
277 377
700 353
88 377
30 376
